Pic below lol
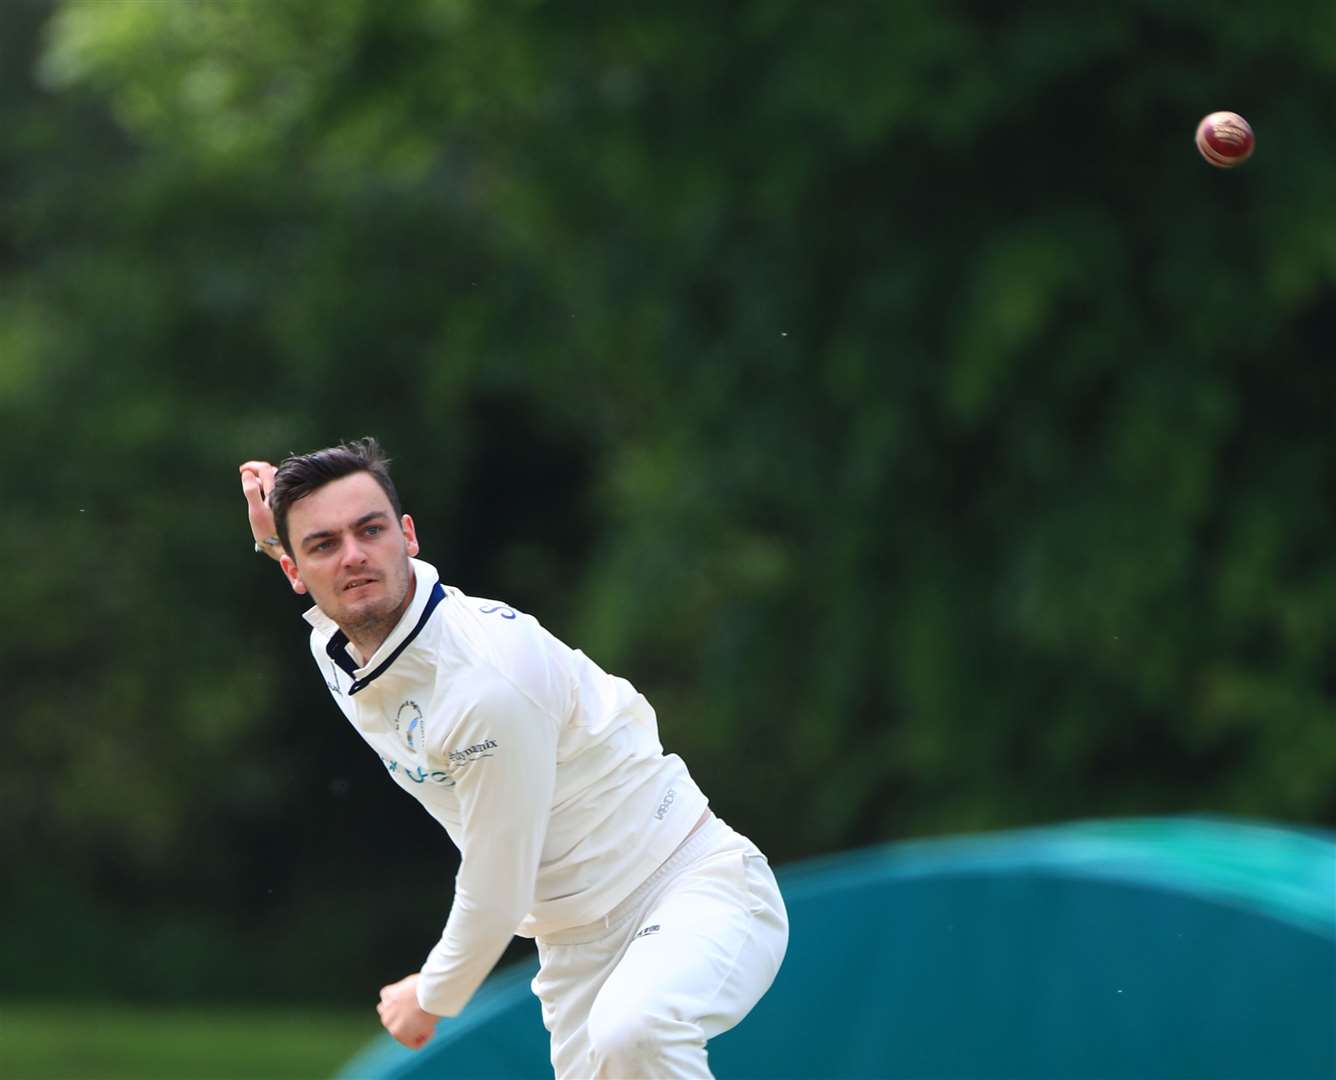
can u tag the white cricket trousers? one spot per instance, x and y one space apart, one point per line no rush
635 995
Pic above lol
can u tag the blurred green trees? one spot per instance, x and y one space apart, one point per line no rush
888 390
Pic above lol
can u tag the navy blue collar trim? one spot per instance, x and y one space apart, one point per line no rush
337 649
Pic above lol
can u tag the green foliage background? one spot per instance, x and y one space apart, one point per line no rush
888 390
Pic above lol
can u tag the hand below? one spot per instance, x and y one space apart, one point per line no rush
403 1017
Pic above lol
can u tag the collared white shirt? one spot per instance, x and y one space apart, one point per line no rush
546 771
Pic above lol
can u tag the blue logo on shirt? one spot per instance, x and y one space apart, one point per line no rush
459 761
408 723
418 775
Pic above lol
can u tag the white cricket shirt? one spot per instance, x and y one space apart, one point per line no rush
546 771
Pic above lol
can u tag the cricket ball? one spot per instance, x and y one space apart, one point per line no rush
1225 139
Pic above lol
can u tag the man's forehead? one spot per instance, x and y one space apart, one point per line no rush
339 503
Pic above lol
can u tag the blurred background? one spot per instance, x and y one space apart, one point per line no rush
890 391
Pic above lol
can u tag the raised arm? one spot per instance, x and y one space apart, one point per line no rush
257 480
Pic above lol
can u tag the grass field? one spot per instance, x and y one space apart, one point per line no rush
112 1042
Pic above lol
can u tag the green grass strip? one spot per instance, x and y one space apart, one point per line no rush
120 1042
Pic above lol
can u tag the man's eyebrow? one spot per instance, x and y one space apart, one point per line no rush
321 534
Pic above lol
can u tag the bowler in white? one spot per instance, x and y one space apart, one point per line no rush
657 925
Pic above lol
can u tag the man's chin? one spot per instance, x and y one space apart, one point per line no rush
364 611
356 612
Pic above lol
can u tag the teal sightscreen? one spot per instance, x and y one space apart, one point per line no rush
1126 950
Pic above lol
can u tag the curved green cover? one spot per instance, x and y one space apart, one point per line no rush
1175 948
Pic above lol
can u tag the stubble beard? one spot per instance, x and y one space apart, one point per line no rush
368 627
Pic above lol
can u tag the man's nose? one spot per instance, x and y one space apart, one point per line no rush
352 553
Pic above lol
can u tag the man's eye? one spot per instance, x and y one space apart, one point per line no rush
374 530
324 545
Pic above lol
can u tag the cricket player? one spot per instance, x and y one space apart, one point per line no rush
657 925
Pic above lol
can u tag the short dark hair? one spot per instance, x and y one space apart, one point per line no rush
301 474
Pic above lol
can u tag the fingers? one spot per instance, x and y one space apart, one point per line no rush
252 488
257 483
409 1036
402 1018
257 479
406 1032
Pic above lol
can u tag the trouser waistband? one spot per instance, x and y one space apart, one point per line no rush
709 835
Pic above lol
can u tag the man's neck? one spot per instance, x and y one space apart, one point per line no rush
366 638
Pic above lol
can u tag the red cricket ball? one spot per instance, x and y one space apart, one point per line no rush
1225 139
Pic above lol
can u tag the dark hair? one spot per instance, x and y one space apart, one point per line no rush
301 474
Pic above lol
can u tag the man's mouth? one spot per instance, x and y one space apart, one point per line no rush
357 583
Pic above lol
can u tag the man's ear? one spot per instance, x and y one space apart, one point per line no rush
294 579
410 534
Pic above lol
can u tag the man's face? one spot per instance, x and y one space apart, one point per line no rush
351 555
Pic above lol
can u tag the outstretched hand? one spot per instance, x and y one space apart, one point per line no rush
257 481
403 1017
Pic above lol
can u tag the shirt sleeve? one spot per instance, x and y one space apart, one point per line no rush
502 757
